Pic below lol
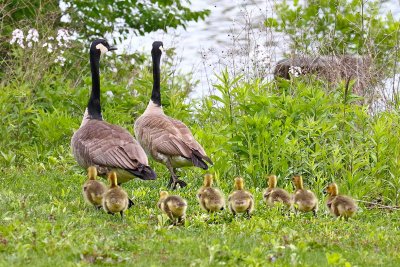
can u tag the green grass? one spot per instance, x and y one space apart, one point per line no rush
44 221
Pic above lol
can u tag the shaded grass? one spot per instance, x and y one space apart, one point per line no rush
44 221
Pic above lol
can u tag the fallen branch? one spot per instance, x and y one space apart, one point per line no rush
380 206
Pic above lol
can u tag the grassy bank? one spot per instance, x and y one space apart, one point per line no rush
45 222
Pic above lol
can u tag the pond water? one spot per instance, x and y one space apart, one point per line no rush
232 36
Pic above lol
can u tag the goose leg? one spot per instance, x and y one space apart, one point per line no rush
130 203
174 181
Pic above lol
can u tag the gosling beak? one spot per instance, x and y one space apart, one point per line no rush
112 48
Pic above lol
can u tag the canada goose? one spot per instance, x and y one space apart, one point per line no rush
93 190
173 206
167 140
274 195
106 146
339 206
210 199
241 200
304 200
115 199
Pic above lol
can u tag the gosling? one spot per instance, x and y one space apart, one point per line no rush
115 199
241 201
340 206
92 189
174 206
273 195
210 199
304 200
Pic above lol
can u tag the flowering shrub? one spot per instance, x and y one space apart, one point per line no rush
51 43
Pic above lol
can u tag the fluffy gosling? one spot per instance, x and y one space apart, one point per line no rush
115 199
174 206
273 195
92 189
240 200
304 200
340 206
210 199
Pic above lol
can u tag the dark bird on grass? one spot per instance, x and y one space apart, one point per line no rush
339 205
240 200
106 146
303 200
210 199
92 189
167 140
174 206
273 194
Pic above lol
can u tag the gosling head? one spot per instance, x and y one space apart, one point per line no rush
208 180
112 176
272 181
100 47
332 190
92 173
163 194
239 183
298 181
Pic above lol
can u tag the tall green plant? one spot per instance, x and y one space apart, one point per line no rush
339 27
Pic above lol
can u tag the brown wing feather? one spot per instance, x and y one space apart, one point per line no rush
105 144
165 135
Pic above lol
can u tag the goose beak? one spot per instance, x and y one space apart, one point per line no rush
112 48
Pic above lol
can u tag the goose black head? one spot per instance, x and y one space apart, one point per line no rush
100 47
158 48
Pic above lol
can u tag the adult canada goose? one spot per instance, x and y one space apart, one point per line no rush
167 140
106 146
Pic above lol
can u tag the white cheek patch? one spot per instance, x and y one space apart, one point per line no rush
161 48
102 48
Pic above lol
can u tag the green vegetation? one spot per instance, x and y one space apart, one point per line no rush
249 128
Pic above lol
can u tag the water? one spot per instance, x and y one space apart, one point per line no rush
227 39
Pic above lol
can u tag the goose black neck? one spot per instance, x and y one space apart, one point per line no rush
156 95
94 108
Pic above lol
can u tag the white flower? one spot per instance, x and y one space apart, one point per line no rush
60 59
49 47
110 94
63 37
33 35
295 71
114 69
18 37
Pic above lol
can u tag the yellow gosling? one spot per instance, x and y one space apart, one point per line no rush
304 200
174 206
340 206
115 200
92 189
240 200
210 199
273 195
